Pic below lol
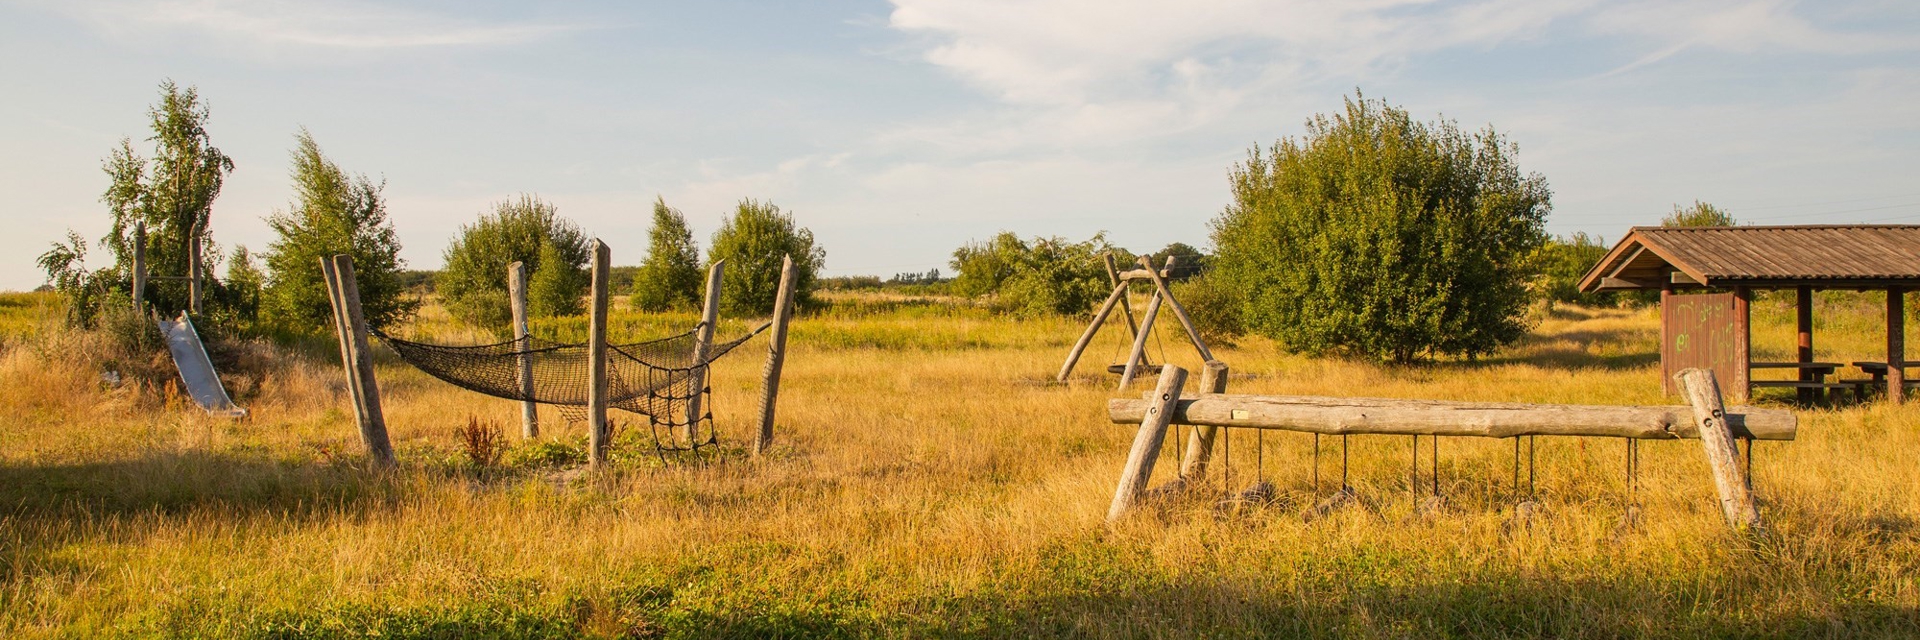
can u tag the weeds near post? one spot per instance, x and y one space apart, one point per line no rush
482 442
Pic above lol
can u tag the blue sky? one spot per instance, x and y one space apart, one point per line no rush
897 131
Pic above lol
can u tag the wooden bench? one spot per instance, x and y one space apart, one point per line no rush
1834 389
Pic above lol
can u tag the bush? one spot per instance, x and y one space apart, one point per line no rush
1562 262
1215 309
332 214
1382 237
670 279
753 242
474 282
1047 276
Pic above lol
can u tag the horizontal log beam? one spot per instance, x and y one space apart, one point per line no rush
1335 416
1143 274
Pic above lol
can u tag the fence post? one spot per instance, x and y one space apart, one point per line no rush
1213 379
517 293
702 344
776 357
1729 476
1147 442
193 273
139 266
597 360
373 421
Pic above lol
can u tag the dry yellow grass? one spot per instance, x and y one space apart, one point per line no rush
926 482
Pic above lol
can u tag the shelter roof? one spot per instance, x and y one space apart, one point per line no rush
1830 256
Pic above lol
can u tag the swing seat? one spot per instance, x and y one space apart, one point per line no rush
1117 369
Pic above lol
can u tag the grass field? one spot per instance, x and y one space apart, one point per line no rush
927 481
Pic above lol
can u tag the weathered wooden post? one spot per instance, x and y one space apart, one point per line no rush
1086 337
194 274
139 266
1160 284
517 293
702 345
1213 379
1126 306
1139 352
345 333
1729 474
1147 442
373 421
1896 344
597 360
776 357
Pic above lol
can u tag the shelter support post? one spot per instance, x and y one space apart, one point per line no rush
1742 344
597 431
702 344
351 322
776 357
1723 454
517 293
1147 442
1896 344
1803 322
1213 380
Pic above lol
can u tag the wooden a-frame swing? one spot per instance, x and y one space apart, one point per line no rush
1136 358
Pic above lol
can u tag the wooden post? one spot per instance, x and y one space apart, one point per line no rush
1742 344
517 294
1126 306
1666 336
1160 284
776 357
1213 380
597 360
373 421
139 266
702 345
1086 337
1146 443
1729 476
1896 344
194 275
1803 320
1139 350
345 333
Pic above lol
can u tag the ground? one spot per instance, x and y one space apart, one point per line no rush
927 480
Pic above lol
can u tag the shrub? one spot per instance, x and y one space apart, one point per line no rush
753 241
1562 262
1046 276
1215 309
332 214
474 282
670 278
1382 237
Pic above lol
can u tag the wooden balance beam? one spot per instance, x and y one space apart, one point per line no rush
1386 416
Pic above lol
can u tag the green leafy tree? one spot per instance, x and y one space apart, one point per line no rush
1699 214
984 266
474 282
753 241
1382 237
172 194
1043 276
1562 262
243 287
670 278
555 287
333 213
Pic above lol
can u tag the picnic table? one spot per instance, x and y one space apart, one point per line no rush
1808 385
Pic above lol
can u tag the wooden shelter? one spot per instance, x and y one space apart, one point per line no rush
1714 330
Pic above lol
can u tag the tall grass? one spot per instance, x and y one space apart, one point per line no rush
927 481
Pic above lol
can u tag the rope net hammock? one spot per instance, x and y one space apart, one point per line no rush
655 378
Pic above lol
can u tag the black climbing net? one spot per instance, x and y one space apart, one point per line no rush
663 379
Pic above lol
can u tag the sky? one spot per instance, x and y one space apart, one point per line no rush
897 131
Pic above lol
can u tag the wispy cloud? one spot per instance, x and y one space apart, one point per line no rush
340 25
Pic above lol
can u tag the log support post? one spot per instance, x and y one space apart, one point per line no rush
1138 354
1896 345
517 293
140 266
1126 306
1160 285
351 324
1086 337
597 431
1213 380
1730 475
1147 442
702 345
776 357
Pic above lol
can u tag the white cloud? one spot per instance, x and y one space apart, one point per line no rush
337 25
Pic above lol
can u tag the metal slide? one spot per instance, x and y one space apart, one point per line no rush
196 370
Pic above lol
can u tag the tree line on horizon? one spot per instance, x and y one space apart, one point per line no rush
1373 235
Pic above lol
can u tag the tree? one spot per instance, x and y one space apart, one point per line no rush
332 213
172 194
555 287
670 278
1699 214
1381 237
1563 261
474 282
984 266
753 241
1044 276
